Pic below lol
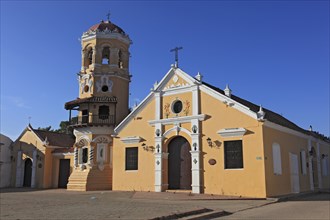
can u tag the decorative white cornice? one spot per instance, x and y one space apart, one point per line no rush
176 120
179 90
131 140
232 132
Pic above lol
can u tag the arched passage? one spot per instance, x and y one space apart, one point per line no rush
27 172
179 164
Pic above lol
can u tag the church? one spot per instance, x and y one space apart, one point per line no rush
186 135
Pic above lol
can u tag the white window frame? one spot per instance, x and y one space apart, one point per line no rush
277 161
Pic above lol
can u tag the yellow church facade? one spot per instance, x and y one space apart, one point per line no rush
189 135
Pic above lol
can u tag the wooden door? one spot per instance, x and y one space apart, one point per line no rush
27 172
64 173
179 164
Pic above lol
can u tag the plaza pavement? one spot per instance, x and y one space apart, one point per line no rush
61 204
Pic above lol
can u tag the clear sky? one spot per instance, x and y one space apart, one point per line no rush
274 53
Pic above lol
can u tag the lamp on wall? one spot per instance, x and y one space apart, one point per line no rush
209 142
147 148
194 129
157 132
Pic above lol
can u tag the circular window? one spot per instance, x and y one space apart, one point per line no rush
177 106
105 88
86 88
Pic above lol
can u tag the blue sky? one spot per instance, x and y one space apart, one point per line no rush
274 53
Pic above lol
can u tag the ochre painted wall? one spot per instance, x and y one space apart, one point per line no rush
143 178
289 143
248 181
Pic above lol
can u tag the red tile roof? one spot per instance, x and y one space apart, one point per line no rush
55 138
103 25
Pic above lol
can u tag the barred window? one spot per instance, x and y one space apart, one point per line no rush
131 158
233 154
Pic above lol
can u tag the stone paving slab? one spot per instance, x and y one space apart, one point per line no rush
62 204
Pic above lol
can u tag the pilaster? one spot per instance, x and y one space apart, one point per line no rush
19 176
310 167
195 171
34 169
318 159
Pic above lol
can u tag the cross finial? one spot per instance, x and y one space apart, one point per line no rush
30 119
108 15
175 50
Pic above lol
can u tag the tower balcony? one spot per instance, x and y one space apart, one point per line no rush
93 120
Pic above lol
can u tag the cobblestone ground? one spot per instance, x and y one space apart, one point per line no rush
62 204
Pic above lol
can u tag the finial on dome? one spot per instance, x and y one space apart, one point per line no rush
227 91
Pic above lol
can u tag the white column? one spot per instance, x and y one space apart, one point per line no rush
19 179
158 172
310 165
34 167
195 157
318 158
195 171
75 157
195 101
158 159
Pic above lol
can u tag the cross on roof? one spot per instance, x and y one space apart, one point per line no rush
176 52
108 15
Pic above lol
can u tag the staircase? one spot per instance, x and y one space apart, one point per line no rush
90 179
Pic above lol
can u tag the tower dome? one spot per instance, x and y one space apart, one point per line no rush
106 25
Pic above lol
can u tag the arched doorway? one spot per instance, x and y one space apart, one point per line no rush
179 164
27 172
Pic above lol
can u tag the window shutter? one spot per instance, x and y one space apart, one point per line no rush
277 163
